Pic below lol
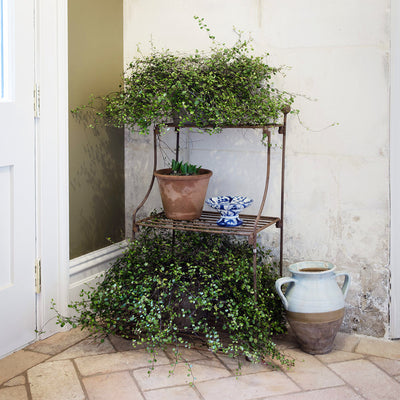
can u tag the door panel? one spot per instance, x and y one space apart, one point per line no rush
6 217
17 182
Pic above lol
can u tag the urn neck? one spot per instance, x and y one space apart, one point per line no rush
312 269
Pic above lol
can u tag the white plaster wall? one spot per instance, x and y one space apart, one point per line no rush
337 194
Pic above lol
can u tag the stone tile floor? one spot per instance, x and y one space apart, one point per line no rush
71 366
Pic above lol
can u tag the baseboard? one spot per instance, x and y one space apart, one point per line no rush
87 270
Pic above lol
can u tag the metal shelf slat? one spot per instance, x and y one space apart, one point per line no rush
208 223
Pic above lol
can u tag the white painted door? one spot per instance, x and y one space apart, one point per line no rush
17 177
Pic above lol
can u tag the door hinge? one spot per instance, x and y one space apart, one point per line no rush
36 100
38 276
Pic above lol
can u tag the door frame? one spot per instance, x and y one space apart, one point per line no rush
62 278
394 331
51 63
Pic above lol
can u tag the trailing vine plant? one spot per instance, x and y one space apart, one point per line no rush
160 293
226 86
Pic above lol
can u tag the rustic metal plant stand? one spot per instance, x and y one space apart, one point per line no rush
252 224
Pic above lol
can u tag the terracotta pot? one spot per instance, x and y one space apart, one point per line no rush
314 304
183 196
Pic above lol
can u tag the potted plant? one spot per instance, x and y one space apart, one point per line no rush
202 289
227 86
183 189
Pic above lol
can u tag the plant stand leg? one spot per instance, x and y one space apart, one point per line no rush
135 227
177 147
255 269
282 131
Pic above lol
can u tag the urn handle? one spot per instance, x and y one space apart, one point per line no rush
278 287
346 282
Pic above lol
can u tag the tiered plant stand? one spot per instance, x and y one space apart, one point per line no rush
252 224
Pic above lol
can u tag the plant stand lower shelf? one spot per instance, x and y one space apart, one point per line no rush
208 223
252 224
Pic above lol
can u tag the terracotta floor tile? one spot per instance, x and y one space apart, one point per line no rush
80 369
368 379
310 373
13 393
379 347
118 386
87 347
186 354
19 362
336 393
211 362
392 367
176 393
160 377
17 381
253 386
338 356
55 380
59 342
247 367
107 363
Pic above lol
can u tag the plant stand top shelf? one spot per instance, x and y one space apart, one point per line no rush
252 224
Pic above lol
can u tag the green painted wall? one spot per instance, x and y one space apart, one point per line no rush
96 157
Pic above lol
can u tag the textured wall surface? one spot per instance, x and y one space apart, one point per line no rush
337 193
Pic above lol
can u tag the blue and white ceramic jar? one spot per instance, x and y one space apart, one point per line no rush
314 303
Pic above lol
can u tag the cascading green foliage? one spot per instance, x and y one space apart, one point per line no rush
225 86
169 290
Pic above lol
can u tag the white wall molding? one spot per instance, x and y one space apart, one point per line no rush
94 259
86 270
